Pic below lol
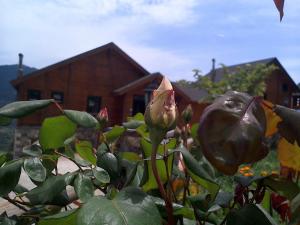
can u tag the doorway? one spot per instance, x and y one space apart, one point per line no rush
138 104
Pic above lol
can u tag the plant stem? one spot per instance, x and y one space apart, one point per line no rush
163 193
167 171
62 155
15 203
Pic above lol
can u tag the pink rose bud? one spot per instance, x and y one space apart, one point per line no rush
161 112
103 116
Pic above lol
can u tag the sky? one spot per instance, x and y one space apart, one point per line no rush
170 36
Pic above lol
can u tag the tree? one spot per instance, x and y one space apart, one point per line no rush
249 79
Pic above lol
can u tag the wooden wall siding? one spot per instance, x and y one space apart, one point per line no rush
274 90
96 75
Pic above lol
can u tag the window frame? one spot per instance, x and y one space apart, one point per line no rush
59 93
93 98
31 92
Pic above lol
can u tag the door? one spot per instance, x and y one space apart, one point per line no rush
138 104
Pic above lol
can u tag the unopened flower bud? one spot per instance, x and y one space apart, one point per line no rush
103 116
161 112
187 114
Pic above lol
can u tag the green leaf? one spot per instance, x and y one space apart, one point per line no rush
114 134
83 119
101 175
5 121
282 187
49 162
198 174
150 181
19 189
133 124
9 176
223 199
130 156
62 218
194 130
35 169
45 193
249 215
33 150
107 161
138 117
84 187
295 208
143 131
23 108
266 202
85 150
7 221
247 181
131 206
55 131
201 201
4 156
70 140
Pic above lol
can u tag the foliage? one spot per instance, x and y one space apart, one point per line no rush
249 79
171 181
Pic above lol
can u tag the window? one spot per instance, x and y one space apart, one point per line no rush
58 96
33 94
285 87
296 102
93 104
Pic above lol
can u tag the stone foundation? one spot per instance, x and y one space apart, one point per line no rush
27 135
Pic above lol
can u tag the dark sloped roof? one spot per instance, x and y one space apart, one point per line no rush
102 48
194 94
137 83
191 94
219 72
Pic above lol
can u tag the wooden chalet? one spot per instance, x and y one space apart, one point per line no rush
103 77
280 87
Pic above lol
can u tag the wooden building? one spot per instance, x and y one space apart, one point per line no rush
103 77
280 87
108 77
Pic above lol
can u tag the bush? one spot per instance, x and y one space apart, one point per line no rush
176 180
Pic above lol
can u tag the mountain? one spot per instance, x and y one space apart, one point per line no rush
8 73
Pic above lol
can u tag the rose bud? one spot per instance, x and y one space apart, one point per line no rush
187 114
103 116
161 112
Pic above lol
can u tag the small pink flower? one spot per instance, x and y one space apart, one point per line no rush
103 116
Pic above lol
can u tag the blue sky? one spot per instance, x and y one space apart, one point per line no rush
170 36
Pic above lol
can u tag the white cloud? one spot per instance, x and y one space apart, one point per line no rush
169 63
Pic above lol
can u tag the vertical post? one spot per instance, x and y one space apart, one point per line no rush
20 68
213 70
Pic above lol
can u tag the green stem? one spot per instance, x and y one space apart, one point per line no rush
163 193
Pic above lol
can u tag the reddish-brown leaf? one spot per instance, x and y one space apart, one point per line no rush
232 131
279 5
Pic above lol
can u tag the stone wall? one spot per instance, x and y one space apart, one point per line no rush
27 135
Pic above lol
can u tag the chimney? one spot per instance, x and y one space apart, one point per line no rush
213 70
20 69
